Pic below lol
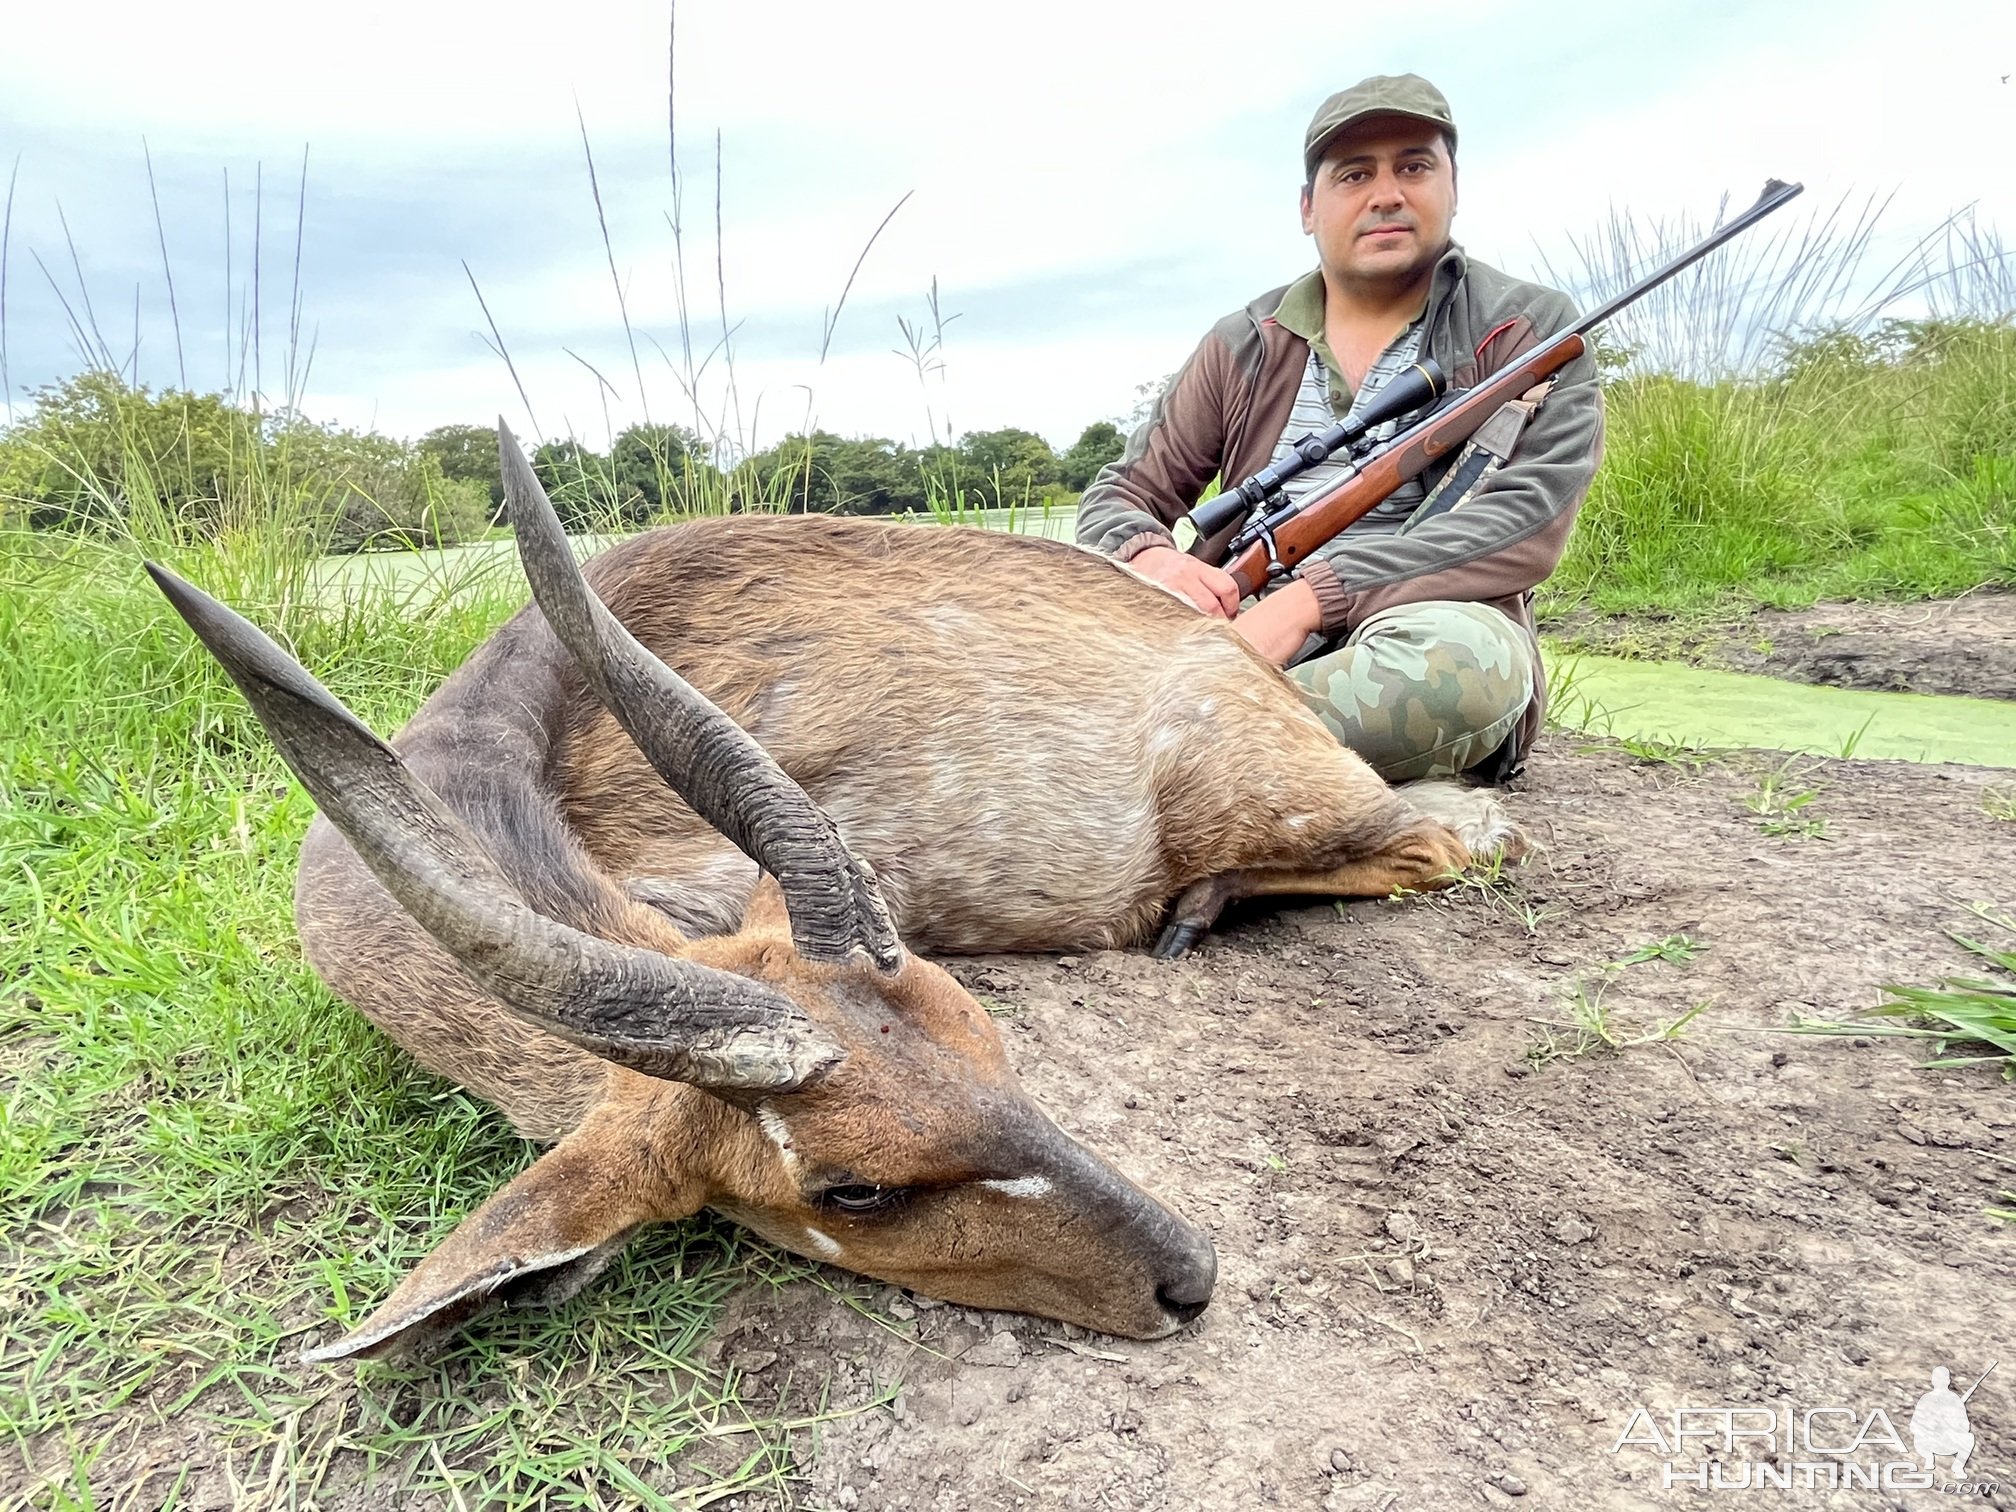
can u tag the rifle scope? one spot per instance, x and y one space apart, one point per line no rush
1420 385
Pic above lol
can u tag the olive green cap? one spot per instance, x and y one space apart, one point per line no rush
1383 94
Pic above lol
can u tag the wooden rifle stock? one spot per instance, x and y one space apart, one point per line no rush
1320 519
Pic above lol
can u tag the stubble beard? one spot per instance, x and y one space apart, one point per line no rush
1391 279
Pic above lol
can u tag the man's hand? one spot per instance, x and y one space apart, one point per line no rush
1210 590
1279 625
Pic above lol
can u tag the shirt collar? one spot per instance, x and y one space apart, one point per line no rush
1301 308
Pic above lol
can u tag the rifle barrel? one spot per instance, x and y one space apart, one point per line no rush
1776 192
1979 1379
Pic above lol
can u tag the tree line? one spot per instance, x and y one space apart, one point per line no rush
95 450
654 470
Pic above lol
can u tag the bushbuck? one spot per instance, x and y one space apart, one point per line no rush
650 873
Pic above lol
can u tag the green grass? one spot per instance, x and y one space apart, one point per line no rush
1499 888
1676 949
1783 427
1968 1021
1783 807
1590 1026
1848 479
207 1161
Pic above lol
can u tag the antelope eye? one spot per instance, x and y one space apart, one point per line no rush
860 1198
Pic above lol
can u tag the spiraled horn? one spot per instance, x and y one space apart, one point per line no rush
703 755
653 1013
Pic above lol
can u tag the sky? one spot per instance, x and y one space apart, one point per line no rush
1087 187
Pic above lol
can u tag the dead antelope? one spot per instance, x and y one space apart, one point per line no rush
963 740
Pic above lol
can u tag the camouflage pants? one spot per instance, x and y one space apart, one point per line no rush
1424 690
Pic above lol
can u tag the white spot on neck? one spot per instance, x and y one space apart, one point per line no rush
826 1244
1021 1186
778 1133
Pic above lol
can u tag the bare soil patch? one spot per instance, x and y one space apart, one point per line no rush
1447 1277
1964 646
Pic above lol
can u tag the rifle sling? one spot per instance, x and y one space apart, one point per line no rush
1488 449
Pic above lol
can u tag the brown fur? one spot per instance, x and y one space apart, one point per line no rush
1034 749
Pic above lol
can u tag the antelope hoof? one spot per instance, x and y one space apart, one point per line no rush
1178 936
1195 910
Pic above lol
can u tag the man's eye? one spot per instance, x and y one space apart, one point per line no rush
860 1198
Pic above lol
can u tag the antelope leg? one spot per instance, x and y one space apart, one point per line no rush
1426 855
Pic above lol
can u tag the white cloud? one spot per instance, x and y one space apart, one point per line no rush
1093 184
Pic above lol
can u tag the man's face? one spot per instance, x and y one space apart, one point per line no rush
1382 201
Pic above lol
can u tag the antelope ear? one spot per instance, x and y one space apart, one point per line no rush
766 913
537 1242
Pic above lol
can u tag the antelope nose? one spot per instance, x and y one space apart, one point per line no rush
1186 1294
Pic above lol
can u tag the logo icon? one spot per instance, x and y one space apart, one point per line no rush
1790 1446
1939 1421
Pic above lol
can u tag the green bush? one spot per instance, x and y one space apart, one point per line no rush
96 454
467 453
1861 463
92 445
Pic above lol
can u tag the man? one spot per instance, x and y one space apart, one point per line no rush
1412 636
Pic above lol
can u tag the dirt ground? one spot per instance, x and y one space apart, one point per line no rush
1455 1257
1964 646
1449 1275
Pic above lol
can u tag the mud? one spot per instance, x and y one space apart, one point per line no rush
1964 646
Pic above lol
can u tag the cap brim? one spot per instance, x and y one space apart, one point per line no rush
1313 154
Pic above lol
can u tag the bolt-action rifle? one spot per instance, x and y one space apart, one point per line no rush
1277 534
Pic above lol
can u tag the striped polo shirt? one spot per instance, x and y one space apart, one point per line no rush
1323 400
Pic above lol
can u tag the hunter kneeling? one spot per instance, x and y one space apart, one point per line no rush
1411 633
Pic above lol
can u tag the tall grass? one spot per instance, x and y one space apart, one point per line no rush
1784 426
205 1160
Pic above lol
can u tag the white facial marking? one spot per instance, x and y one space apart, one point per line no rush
1021 1186
779 1134
826 1244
